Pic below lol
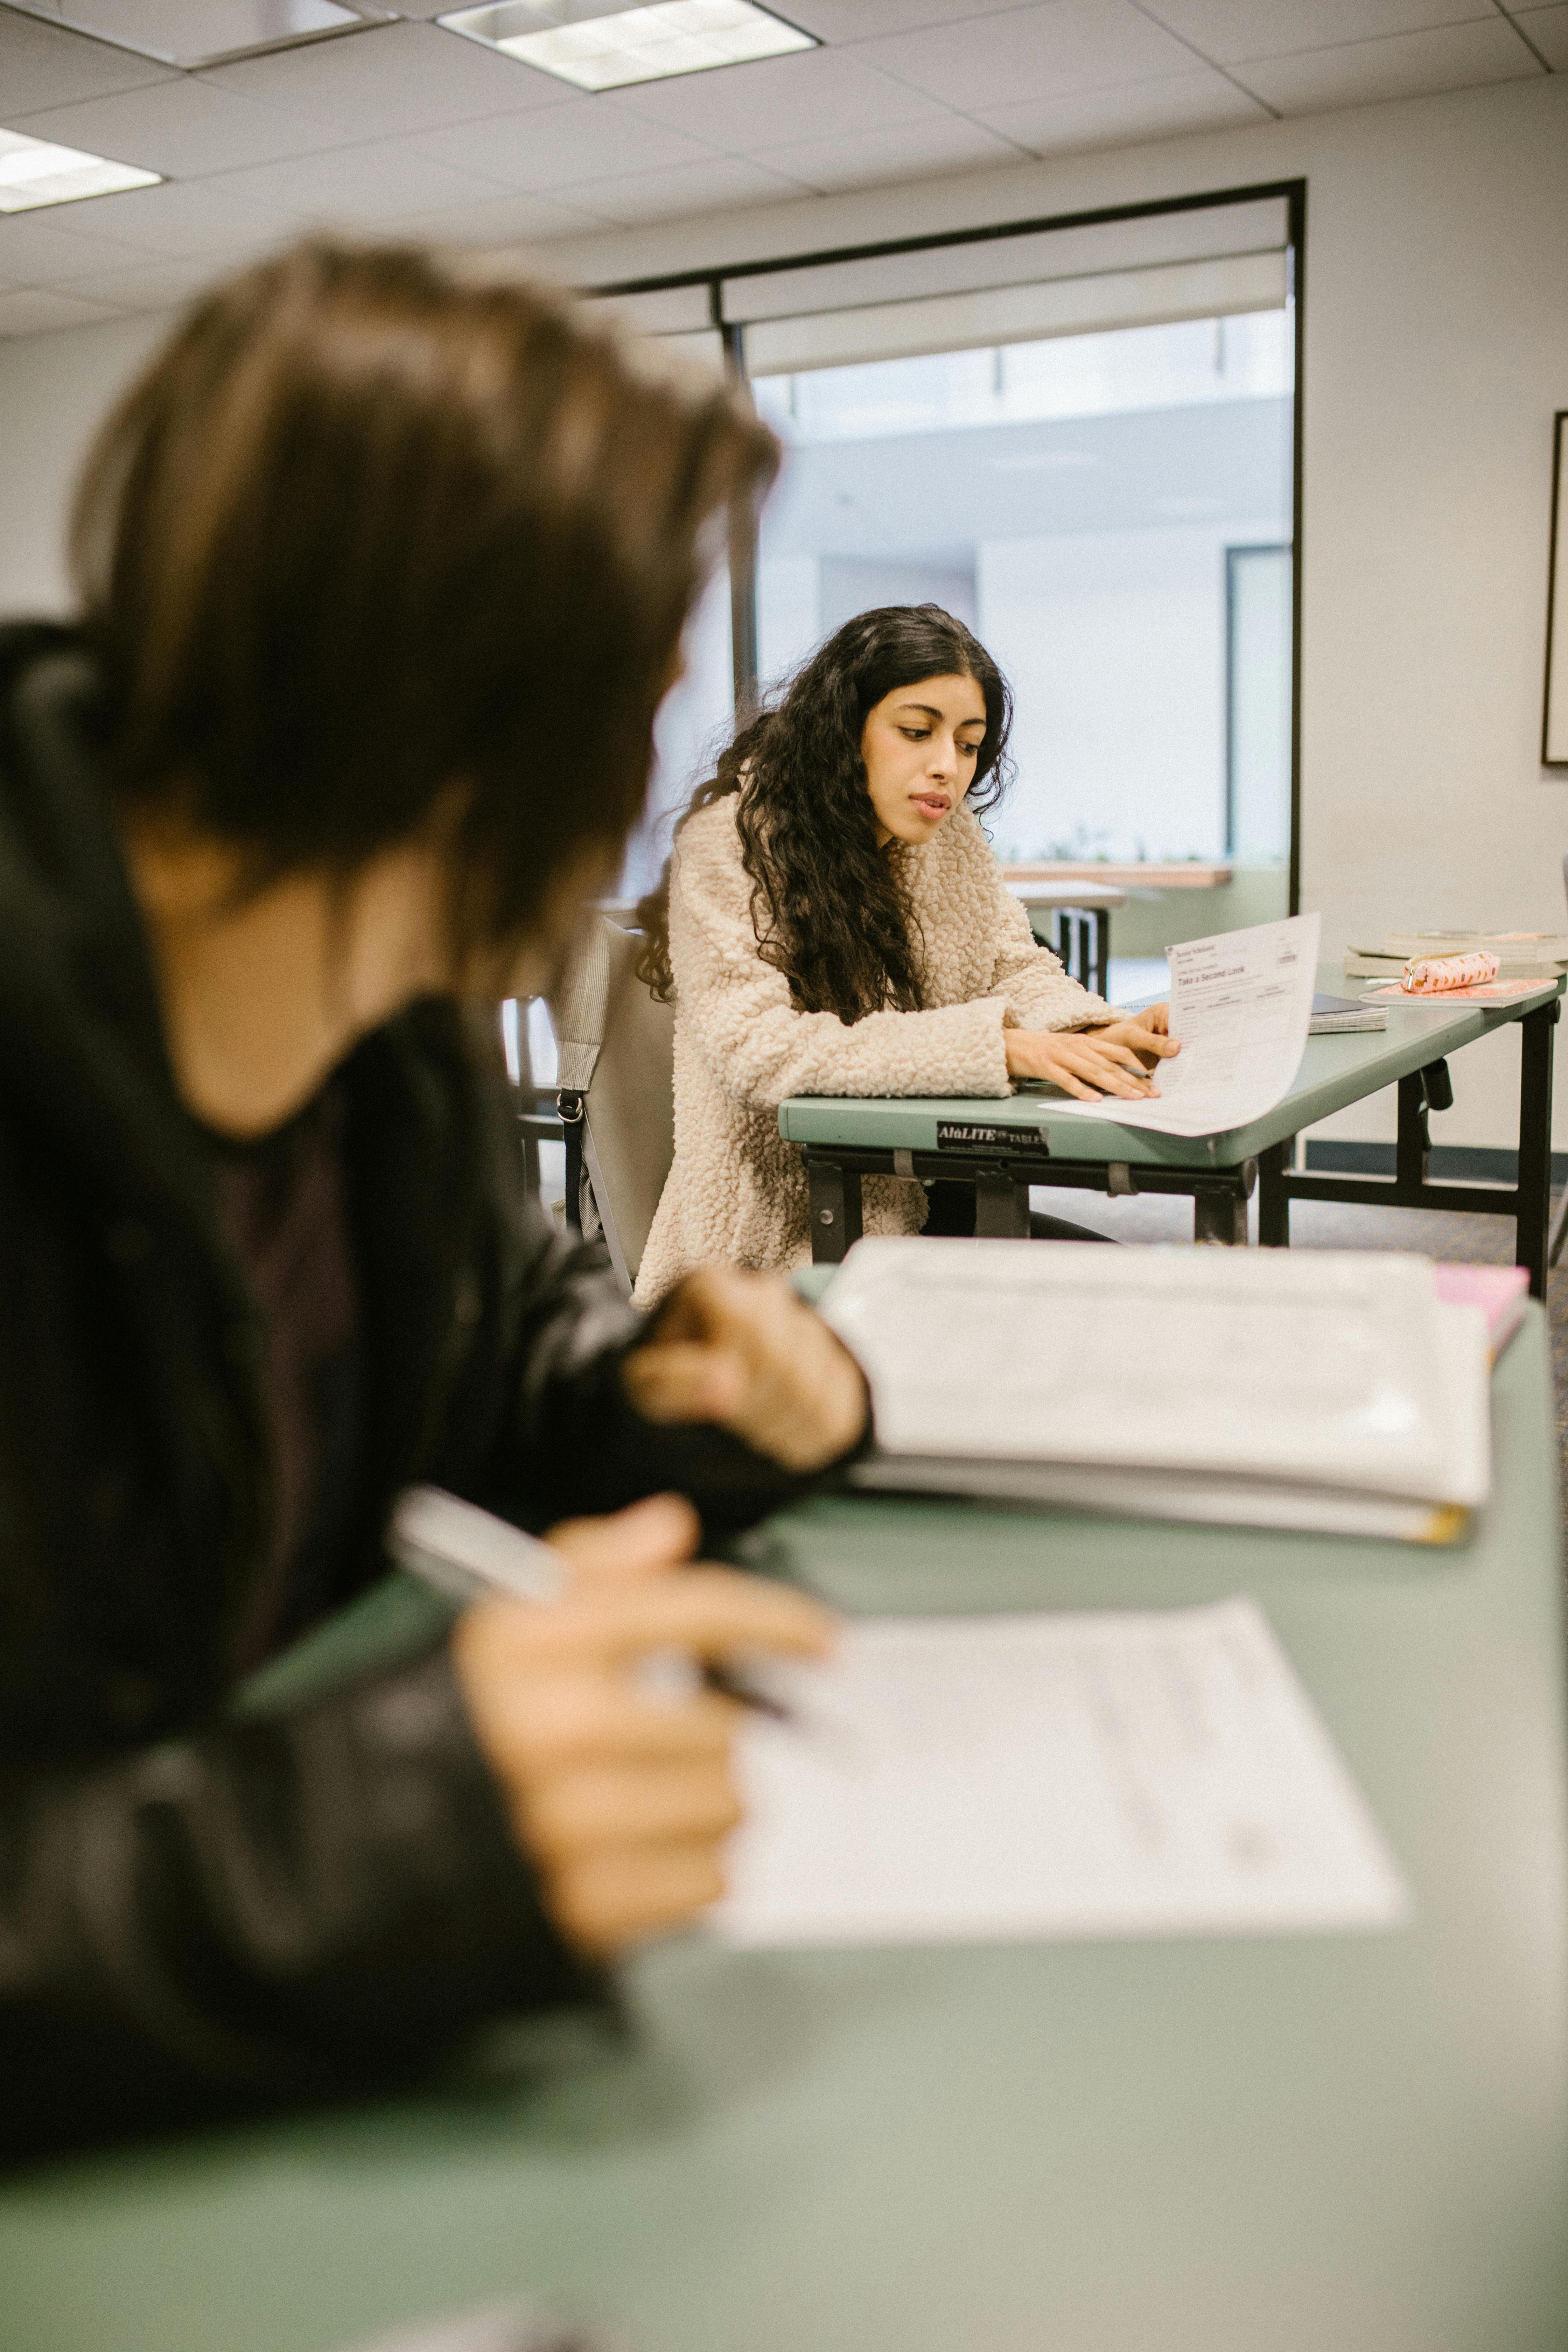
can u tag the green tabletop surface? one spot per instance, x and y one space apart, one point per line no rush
1292 2144
1334 1071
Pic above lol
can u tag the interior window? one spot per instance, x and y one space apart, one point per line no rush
1112 512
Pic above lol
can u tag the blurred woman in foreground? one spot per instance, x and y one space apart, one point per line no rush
382 578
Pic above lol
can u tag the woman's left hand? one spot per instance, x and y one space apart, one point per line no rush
1140 1029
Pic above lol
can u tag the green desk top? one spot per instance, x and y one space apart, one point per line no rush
1334 1071
1335 2143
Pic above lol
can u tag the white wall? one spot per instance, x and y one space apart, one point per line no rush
1437 297
53 391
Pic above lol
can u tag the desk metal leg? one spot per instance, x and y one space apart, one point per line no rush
1273 1199
1412 1138
1103 952
835 1210
1219 1217
1219 1207
1001 1208
1559 1232
1534 1216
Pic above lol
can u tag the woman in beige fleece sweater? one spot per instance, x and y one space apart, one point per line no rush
837 925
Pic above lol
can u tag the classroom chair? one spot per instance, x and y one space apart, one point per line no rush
615 1078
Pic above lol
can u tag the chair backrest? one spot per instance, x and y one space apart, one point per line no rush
628 1139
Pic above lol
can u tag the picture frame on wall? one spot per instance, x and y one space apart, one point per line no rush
1554 714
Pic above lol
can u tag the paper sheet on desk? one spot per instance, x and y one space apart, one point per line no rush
1481 992
1015 1778
1241 1005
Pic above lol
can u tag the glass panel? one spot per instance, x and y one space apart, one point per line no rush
1075 500
1257 722
695 721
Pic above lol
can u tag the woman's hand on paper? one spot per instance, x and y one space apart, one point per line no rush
1148 1032
622 1799
742 1350
1092 1063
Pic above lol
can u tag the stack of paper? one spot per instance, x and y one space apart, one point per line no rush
1521 955
1501 1293
1255 1388
1345 1016
1137 1773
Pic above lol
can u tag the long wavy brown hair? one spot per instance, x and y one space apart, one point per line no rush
827 907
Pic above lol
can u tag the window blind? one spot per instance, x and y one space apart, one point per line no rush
679 320
1208 263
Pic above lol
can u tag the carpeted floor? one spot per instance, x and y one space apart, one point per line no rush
1317 1224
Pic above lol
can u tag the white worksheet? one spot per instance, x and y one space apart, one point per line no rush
1015 1778
1241 1005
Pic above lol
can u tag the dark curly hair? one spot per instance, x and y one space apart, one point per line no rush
827 907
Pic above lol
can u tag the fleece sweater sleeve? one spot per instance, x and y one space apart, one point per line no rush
761 1048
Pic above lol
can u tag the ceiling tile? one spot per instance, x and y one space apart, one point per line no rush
1111 118
864 20
820 94
393 79
39 250
43 65
33 312
1404 65
356 187
1032 53
691 188
912 151
181 128
183 218
1230 31
1548 29
587 139
149 285
510 219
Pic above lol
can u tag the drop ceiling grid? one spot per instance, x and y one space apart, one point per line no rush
405 126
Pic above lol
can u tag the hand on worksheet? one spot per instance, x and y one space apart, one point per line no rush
742 1350
1089 1063
1148 1032
622 1799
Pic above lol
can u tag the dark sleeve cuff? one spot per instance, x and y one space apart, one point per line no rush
731 1485
322 1901
455 1931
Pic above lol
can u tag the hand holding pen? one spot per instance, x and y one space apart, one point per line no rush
623 1800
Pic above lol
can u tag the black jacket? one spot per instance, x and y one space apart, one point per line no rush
196 1913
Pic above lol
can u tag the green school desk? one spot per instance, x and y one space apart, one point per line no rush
1003 1147
1296 2144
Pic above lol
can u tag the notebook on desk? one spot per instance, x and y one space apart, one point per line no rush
1326 1392
1345 1016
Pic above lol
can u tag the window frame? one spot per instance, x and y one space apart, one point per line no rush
743 521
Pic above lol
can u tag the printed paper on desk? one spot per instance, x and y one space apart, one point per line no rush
1241 1005
1022 1779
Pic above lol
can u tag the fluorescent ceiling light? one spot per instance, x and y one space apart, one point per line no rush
191 33
33 171
601 45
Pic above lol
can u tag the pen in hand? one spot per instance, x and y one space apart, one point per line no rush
468 1554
